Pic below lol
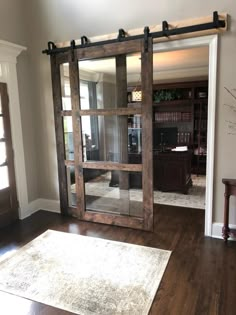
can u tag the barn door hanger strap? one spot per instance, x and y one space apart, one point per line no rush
122 35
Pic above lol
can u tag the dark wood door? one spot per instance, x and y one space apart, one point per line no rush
8 199
93 107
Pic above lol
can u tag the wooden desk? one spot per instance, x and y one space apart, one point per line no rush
230 190
172 171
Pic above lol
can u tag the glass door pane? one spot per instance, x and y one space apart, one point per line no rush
1 128
65 86
70 172
101 138
4 177
98 83
111 137
68 138
116 192
3 155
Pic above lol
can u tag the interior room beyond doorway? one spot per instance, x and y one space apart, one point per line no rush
180 108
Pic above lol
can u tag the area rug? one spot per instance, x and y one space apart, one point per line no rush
195 198
85 275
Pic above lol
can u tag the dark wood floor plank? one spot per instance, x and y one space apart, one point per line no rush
200 277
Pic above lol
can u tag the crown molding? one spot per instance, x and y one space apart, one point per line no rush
10 51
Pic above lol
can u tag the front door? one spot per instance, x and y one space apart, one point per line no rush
8 199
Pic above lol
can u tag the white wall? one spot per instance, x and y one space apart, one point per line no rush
62 20
12 26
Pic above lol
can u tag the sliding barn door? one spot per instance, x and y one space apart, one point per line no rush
104 137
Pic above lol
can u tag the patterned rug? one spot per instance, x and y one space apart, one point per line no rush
194 199
85 275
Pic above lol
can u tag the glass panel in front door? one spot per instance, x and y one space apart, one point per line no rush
1 128
4 178
3 155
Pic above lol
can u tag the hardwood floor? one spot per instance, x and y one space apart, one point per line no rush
200 277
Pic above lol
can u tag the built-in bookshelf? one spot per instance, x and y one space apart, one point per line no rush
172 116
182 106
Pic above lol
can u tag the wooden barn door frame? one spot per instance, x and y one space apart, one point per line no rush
73 57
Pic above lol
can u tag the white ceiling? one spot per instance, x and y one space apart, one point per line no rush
186 62
186 58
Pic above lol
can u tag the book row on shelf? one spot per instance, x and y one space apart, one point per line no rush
184 138
172 116
200 124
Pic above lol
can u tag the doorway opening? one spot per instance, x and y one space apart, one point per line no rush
180 104
202 134
130 155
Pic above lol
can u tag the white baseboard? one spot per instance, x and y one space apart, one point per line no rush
31 208
217 230
49 205
40 204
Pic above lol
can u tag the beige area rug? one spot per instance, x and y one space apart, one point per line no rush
195 198
85 275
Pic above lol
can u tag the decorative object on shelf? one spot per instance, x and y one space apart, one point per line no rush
136 96
202 94
200 151
136 93
183 137
167 95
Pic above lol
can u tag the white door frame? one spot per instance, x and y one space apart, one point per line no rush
8 74
212 42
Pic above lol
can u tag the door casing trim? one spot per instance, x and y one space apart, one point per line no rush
212 42
8 75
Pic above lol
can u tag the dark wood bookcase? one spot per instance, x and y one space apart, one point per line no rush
181 108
